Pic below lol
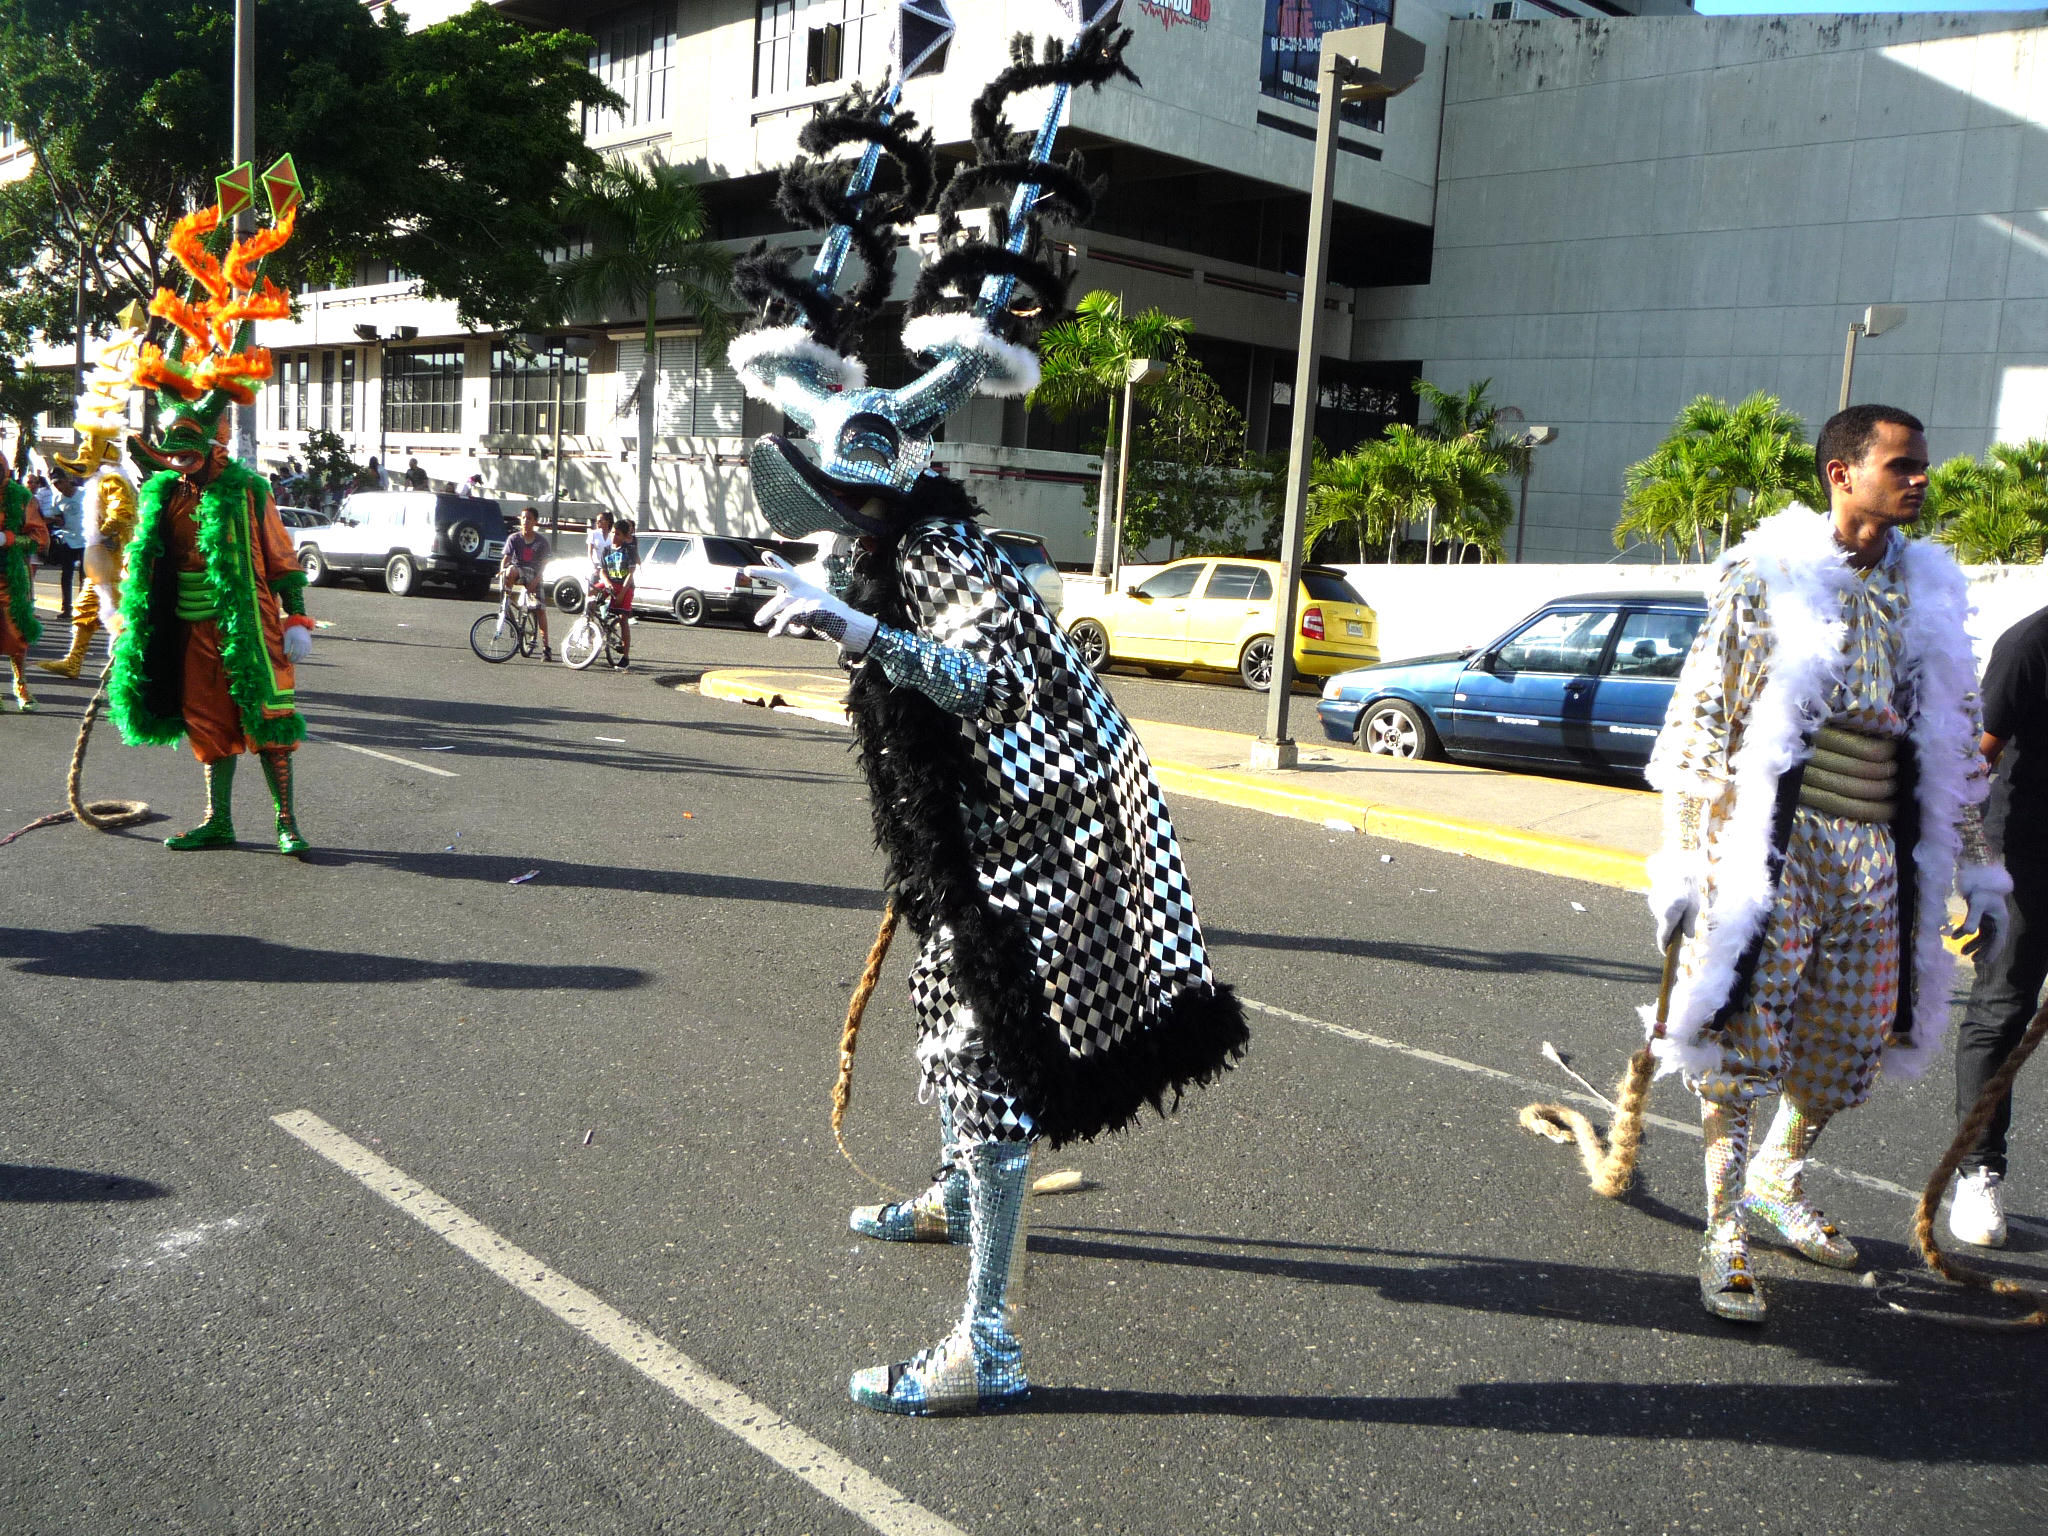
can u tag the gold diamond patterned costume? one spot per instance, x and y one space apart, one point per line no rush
1824 724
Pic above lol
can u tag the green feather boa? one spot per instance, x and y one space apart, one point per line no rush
224 541
21 587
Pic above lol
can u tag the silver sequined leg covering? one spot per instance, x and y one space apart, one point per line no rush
1774 1196
1727 1282
938 1214
979 1366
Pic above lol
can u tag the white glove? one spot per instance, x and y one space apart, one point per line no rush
1674 893
298 643
802 603
1987 921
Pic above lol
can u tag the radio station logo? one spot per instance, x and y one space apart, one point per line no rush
1177 13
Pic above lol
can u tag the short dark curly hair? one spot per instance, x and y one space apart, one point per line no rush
1848 434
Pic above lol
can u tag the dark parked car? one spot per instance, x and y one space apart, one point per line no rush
1581 683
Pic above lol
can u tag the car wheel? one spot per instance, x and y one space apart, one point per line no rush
401 576
689 607
1091 640
569 595
1391 728
1166 672
1255 665
314 564
467 540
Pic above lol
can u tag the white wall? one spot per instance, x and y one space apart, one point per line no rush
1637 211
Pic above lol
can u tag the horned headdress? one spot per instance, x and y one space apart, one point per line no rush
966 316
210 363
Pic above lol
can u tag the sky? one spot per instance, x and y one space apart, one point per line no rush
1755 7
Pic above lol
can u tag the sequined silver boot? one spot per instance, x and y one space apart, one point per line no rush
1728 1285
1774 1203
938 1215
979 1366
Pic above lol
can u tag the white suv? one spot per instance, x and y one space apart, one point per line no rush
407 538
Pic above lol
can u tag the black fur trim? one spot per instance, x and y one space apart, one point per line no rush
763 279
951 279
917 759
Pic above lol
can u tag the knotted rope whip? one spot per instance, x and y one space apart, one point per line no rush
1611 1166
100 815
1945 1265
849 1038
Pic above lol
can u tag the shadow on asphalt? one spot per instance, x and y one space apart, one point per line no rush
1442 957
1929 1393
502 869
32 1184
130 952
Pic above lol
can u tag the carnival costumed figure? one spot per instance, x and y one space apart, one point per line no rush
213 607
20 531
1822 785
1063 982
101 418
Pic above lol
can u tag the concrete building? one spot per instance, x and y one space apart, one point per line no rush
1605 214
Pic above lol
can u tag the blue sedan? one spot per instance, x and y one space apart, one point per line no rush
1581 683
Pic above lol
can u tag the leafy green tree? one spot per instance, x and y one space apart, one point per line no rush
26 394
1722 470
1451 484
646 229
329 468
1994 510
1190 484
440 152
1084 362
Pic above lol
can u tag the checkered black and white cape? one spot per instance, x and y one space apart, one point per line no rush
1063 981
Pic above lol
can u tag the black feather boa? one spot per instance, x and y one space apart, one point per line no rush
919 765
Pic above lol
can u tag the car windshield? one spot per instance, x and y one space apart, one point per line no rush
1329 587
729 552
1025 552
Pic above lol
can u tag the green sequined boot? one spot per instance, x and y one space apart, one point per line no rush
277 772
218 830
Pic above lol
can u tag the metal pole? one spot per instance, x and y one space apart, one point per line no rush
555 416
1522 517
245 153
383 416
1123 475
1274 749
1849 363
78 342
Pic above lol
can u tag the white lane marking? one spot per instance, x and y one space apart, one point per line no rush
867 1498
403 762
1458 1064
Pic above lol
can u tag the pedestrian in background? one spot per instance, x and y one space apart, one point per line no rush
415 477
67 538
43 507
2007 991
597 541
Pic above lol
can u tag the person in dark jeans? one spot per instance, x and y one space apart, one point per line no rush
2008 990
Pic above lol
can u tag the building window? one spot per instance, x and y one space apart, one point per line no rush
634 54
326 391
800 43
423 389
348 391
692 396
302 386
523 390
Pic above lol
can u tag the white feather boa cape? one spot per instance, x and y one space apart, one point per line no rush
1806 576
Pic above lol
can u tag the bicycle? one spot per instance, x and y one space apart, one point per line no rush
511 631
599 632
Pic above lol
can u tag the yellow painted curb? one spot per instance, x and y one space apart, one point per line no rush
768 689
1568 857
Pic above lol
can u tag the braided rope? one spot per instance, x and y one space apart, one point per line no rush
1945 1265
849 1038
100 815
1611 1167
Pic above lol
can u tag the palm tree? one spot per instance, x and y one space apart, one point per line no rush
26 394
1479 511
646 229
1085 362
1672 497
1729 467
1995 510
1346 492
1405 475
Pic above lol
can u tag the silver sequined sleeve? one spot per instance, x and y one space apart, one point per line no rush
967 654
1710 705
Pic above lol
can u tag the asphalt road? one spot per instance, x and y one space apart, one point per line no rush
1339 1292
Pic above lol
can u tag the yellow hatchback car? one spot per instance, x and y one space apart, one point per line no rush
1220 611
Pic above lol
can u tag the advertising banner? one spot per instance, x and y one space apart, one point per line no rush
1293 45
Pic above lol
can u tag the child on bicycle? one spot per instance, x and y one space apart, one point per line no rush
620 560
526 552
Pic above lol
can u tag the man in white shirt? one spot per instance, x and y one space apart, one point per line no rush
67 537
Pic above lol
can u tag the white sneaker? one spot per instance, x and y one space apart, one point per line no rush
1978 1213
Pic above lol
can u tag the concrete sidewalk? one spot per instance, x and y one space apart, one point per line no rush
1582 831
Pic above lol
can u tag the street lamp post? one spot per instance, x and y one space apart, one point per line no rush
376 334
1877 319
1142 370
1357 64
1529 441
